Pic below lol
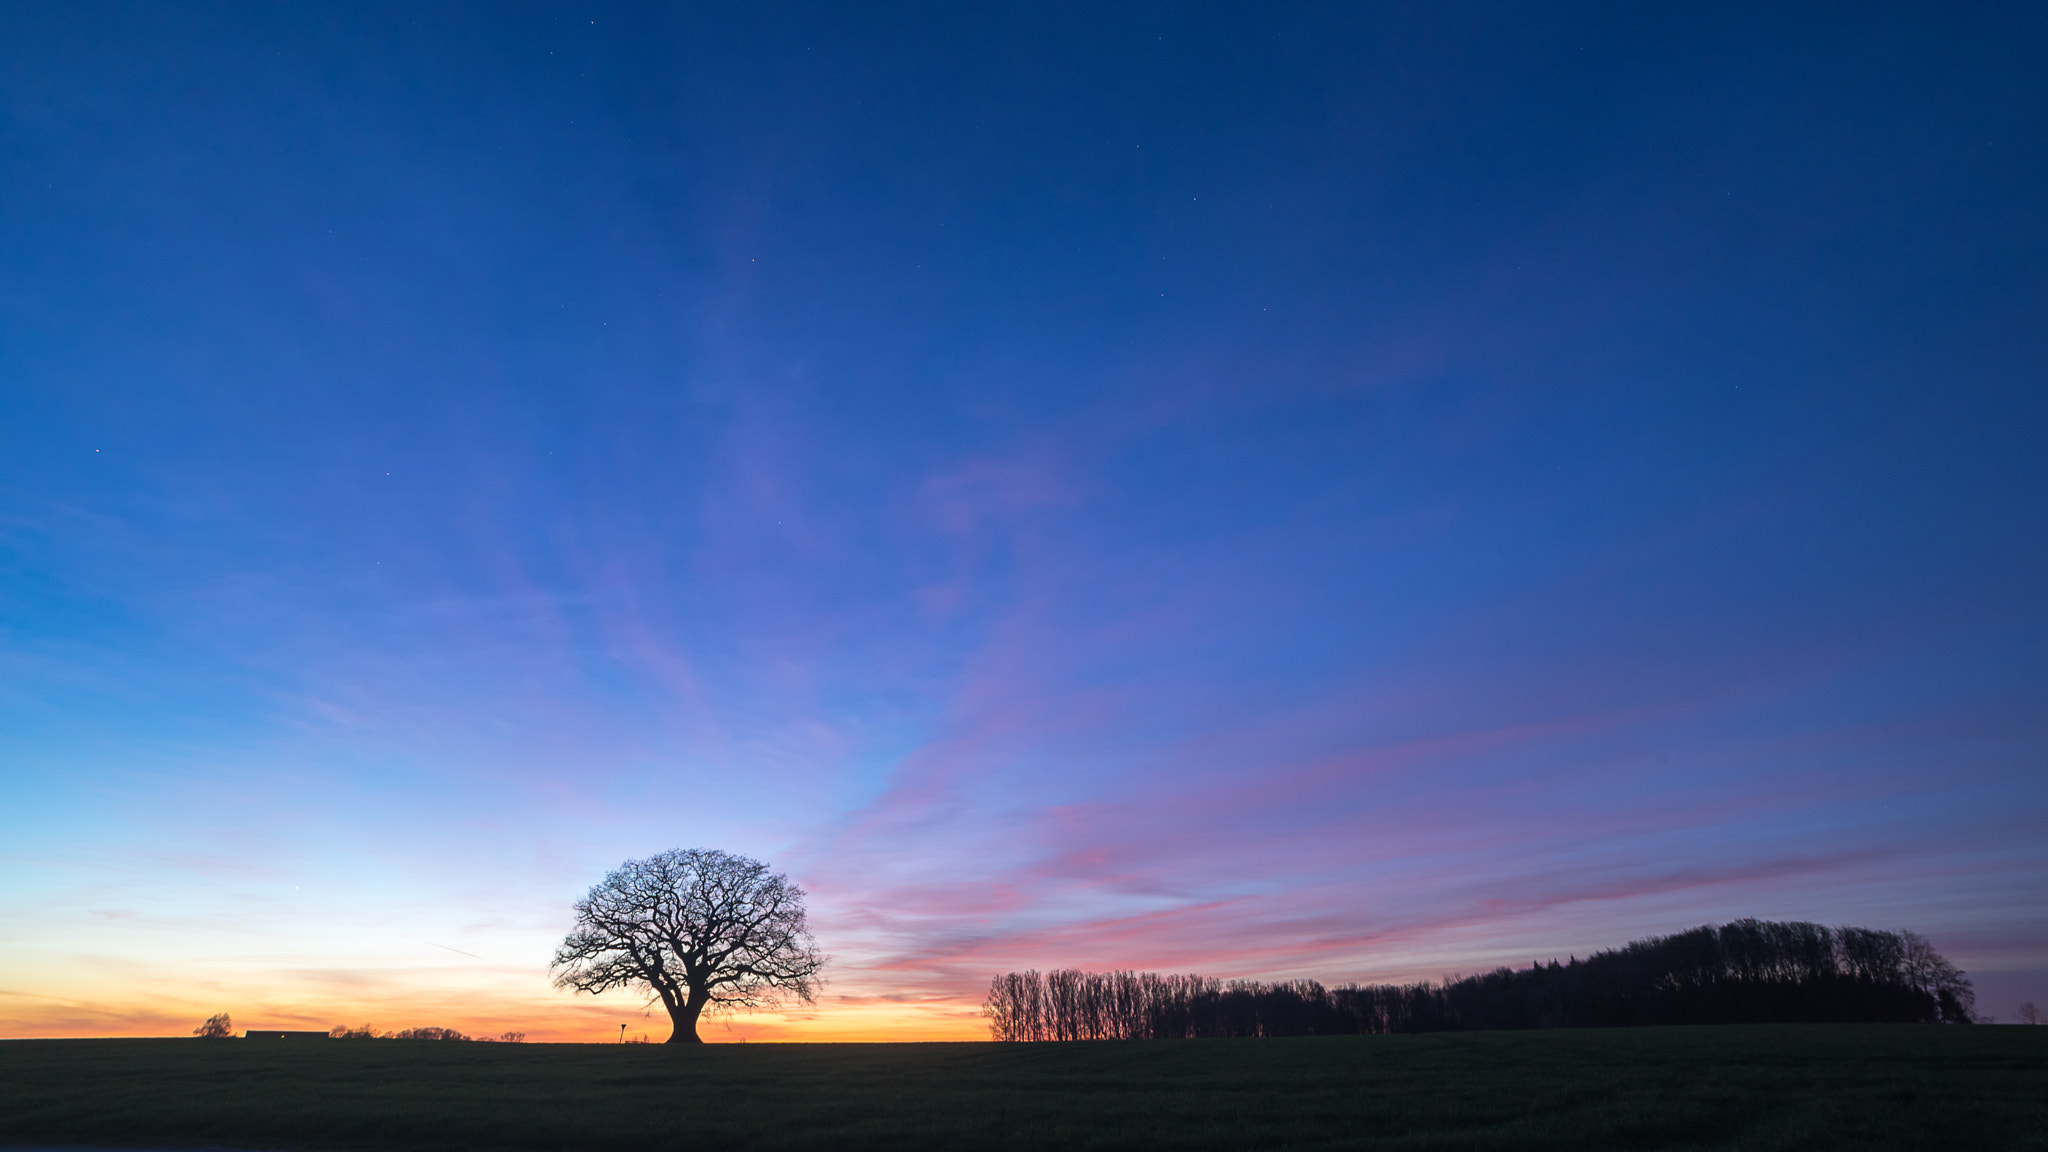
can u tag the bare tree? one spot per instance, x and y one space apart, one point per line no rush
217 1027
696 930
2032 1015
1931 972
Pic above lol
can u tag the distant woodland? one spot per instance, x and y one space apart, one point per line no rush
1750 971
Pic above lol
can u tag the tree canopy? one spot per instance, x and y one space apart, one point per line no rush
697 929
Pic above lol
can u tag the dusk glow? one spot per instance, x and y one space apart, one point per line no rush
1303 491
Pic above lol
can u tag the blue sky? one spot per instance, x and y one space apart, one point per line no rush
1352 492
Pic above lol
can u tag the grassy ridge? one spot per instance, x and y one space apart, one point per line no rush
1756 1087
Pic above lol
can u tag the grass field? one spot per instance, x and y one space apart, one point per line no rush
1756 1087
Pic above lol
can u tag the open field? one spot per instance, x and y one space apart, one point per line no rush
1753 1087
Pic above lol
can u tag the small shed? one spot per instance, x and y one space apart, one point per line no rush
275 1034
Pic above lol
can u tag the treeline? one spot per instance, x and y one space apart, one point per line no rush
344 1032
1750 971
222 1027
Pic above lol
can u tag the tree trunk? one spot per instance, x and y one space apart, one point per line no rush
684 1016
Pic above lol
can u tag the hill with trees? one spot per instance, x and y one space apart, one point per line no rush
1748 971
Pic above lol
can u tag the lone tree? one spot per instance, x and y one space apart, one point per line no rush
695 929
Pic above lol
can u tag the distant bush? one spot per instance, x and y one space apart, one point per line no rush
1750 971
216 1028
367 1032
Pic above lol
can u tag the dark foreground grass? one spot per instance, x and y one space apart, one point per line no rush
1758 1087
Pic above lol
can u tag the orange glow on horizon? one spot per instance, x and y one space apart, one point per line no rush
24 1017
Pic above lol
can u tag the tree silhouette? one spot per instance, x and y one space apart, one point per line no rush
1747 971
217 1027
697 930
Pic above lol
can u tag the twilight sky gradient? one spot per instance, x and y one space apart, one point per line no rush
1343 490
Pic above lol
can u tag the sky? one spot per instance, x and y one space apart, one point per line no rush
1347 491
